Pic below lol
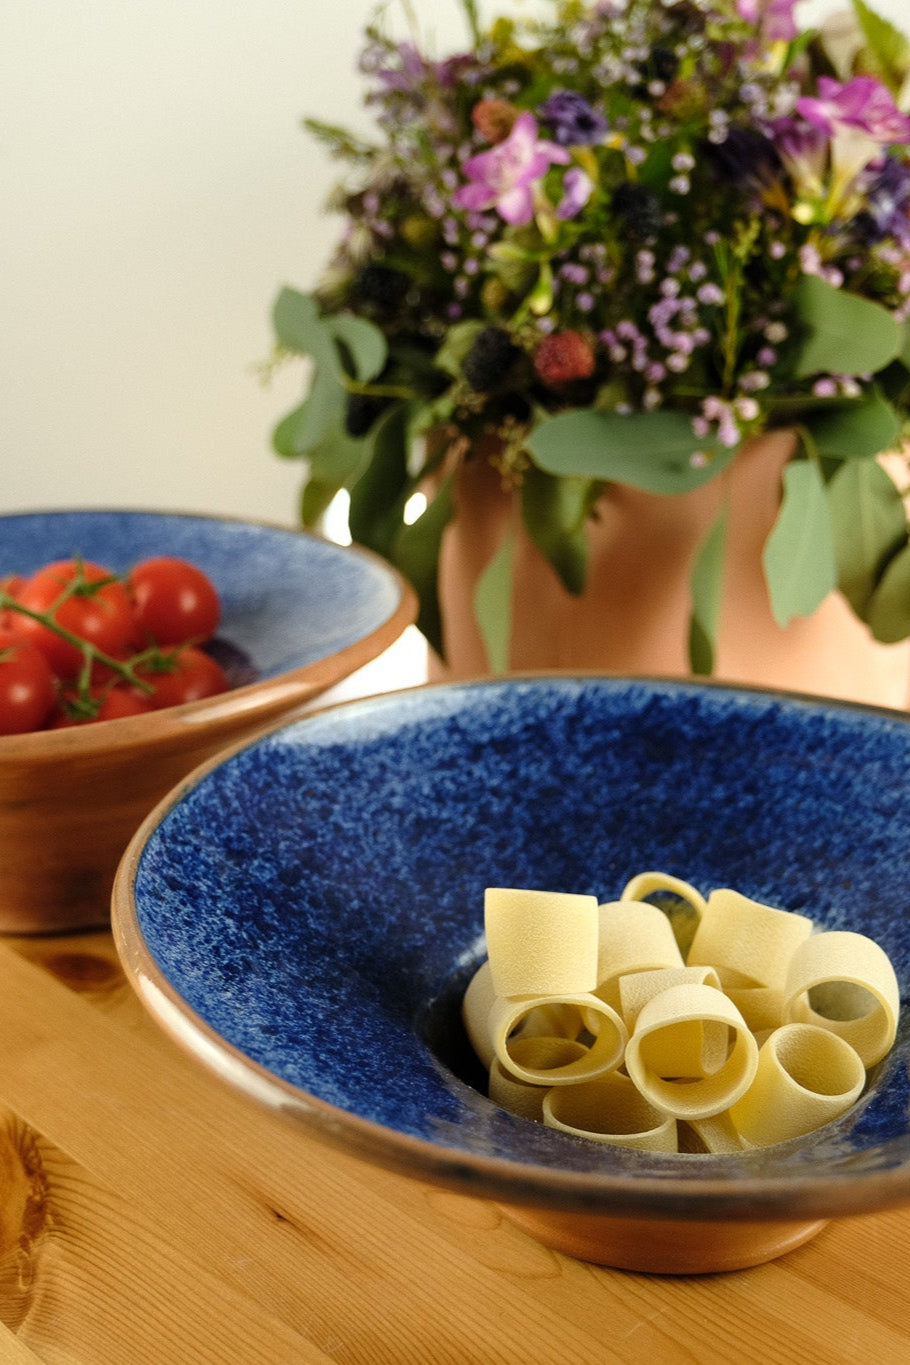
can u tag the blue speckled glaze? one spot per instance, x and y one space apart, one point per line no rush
288 598
317 898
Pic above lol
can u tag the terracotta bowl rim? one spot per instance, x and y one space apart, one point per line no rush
256 701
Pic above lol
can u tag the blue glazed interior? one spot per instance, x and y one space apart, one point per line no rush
288 599
318 897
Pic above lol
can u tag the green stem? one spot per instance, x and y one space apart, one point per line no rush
90 653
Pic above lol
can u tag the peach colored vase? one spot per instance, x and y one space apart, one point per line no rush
633 616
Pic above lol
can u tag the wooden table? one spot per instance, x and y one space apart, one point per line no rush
150 1216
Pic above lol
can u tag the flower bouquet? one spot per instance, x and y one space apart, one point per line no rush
609 248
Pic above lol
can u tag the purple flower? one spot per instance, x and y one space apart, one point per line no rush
862 103
577 190
504 178
803 149
572 120
887 212
773 17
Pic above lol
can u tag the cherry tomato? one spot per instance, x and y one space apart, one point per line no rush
27 692
96 607
12 585
179 675
113 703
174 602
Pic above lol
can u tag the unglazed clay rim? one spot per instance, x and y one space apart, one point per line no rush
795 1200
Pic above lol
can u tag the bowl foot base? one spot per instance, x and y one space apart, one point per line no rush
662 1246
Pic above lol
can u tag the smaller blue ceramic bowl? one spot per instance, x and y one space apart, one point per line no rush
305 914
299 614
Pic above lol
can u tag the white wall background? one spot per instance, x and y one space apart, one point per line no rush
156 190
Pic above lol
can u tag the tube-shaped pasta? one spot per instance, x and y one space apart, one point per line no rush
609 1036
637 988
541 942
475 1013
645 884
806 1076
748 943
540 1054
612 1111
845 983
762 1007
716 1135
633 937
663 1033
680 901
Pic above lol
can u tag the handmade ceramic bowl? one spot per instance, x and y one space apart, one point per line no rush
298 614
305 914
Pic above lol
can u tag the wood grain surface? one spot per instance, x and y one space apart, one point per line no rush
150 1216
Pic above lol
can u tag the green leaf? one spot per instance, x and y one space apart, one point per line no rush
856 429
888 613
869 526
459 339
416 553
379 495
656 451
365 344
295 318
905 348
556 513
315 499
707 589
846 334
337 457
798 557
299 434
887 54
493 604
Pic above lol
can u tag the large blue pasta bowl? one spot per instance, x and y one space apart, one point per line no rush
304 915
298 615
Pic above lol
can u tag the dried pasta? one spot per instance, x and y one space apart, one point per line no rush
591 1018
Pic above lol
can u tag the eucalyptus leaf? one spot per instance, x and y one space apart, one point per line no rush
493 604
416 553
869 524
655 451
379 495
556 512
337 457
846 334
856 429
707 591
365 343
305 429
798 557
297 324
888 613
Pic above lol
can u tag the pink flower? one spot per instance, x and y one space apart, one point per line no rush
773 17
863 104
504 178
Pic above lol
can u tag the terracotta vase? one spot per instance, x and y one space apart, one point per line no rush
633 615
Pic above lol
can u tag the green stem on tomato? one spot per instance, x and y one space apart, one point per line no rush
125 669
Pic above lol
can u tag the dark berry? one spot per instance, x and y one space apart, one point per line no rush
490 360
639 209
379 286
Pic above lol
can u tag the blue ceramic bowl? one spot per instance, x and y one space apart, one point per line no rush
306 914
299 614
